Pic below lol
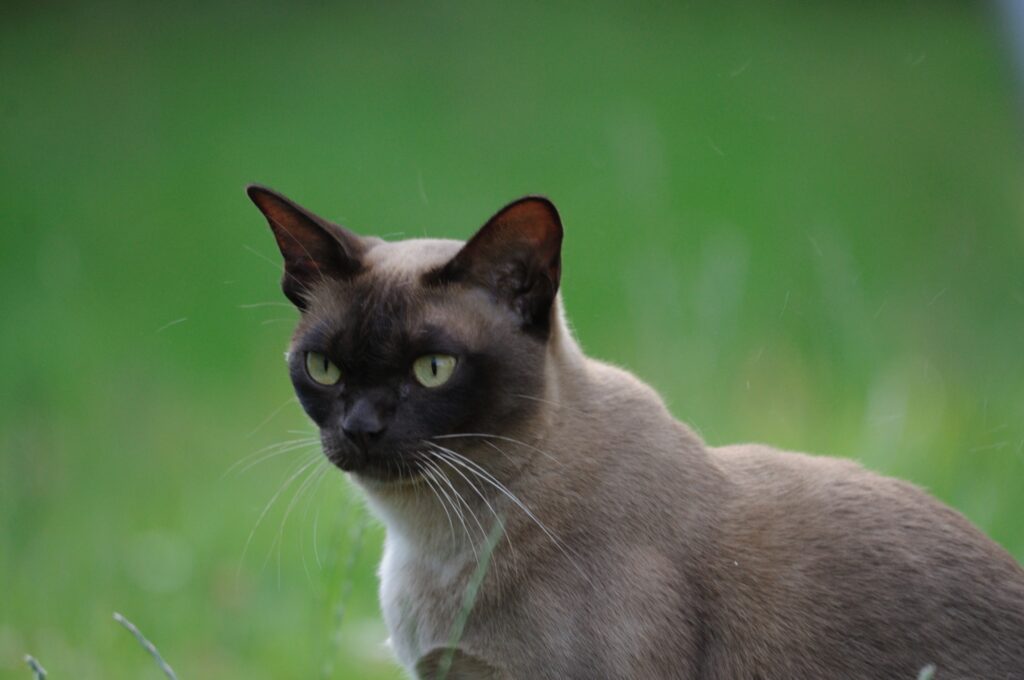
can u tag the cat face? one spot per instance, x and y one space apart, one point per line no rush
400 344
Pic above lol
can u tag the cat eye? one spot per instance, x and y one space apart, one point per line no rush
321 369
433 370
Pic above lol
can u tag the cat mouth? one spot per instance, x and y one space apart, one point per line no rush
388 468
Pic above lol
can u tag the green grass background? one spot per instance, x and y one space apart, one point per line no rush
802 222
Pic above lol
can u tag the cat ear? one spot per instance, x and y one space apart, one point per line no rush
313 248
517 257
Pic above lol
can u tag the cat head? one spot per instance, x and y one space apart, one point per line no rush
407 346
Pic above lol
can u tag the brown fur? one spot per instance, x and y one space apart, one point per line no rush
662 557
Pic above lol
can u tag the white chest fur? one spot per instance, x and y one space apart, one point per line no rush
420 597
423 576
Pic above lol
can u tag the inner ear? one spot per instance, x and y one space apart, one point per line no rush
516 256
314 249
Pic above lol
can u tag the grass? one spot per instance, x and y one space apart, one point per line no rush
801 224
150 648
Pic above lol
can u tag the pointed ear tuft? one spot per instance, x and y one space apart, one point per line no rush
516 256
313 248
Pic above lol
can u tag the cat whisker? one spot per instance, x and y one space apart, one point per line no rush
321 475
469 507
455 457
257 305
280 452
499 450
273 499
428 477
440 480
316 527
490 507
303 487
246 462
457 507
443 480
271 416
483 435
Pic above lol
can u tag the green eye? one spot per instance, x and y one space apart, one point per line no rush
433 370
321 369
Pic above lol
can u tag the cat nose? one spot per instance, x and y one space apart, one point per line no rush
363 424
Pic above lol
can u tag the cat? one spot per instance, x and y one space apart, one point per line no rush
547 517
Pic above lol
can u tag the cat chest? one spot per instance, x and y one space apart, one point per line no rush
420 600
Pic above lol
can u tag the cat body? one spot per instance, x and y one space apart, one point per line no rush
547 517
735 562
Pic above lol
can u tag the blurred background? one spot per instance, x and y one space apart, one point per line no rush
802 222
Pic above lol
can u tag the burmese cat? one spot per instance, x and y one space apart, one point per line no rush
445 381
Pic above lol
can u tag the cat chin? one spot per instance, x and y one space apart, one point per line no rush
374 480
374 474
